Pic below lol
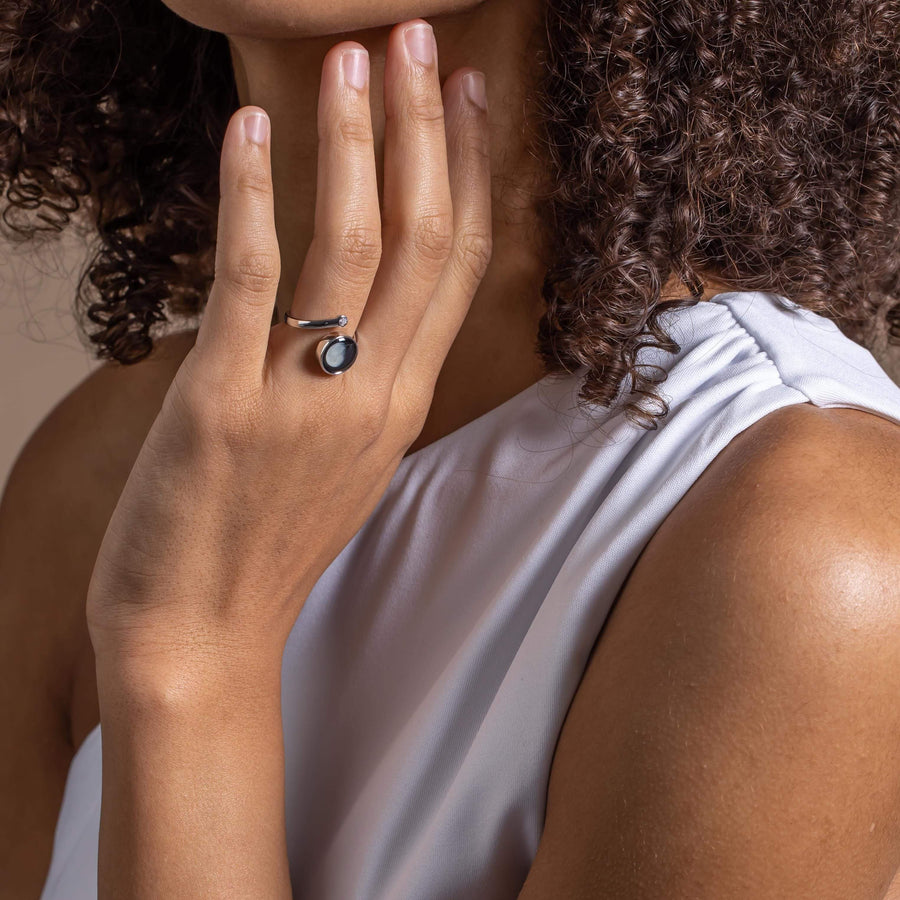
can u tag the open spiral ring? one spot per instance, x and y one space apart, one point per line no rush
337 352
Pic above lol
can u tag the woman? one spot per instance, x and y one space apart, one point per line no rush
344 596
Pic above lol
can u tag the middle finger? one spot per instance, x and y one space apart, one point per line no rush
417 218
345 250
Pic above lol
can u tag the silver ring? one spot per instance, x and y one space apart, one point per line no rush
340 321
337 352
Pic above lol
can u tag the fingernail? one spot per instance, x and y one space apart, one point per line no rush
356 67
256 127
420 43
474 86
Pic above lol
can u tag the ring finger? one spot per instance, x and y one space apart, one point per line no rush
345 250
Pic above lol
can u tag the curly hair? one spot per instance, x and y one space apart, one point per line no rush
759 141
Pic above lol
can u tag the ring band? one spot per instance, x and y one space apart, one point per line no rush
340 321
337 352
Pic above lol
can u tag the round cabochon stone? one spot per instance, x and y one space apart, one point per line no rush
340 354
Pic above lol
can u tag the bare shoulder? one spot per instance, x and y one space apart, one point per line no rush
751 657
803 473
54 510
860 443
106 406
112 409
802 503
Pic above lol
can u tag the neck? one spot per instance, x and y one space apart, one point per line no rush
283 76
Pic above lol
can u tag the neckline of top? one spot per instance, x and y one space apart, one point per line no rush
523 395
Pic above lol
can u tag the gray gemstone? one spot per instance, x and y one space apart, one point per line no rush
340 355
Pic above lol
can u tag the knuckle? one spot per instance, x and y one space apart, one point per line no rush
412 421
253 272
240 420
217 414
351 132
370 422
358 249
477 151
473 250
237 423
253 181
410 410
426 108
189 403
431 236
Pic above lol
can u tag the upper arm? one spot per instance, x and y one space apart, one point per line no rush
735 731
54 510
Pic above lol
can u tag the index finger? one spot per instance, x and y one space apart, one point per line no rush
233 337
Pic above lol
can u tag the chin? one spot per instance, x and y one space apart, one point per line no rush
285 19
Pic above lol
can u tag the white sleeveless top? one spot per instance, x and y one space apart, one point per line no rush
428 675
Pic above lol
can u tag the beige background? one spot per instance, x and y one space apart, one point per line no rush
43 356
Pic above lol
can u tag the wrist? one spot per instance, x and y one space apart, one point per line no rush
193 777
185 681
159 645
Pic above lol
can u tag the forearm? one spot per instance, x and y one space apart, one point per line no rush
193 782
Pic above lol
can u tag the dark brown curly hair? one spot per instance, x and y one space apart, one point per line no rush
755 140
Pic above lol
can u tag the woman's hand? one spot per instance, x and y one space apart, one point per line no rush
260 467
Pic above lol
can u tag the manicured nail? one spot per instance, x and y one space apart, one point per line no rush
256 127
474 86
356 67
420 43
